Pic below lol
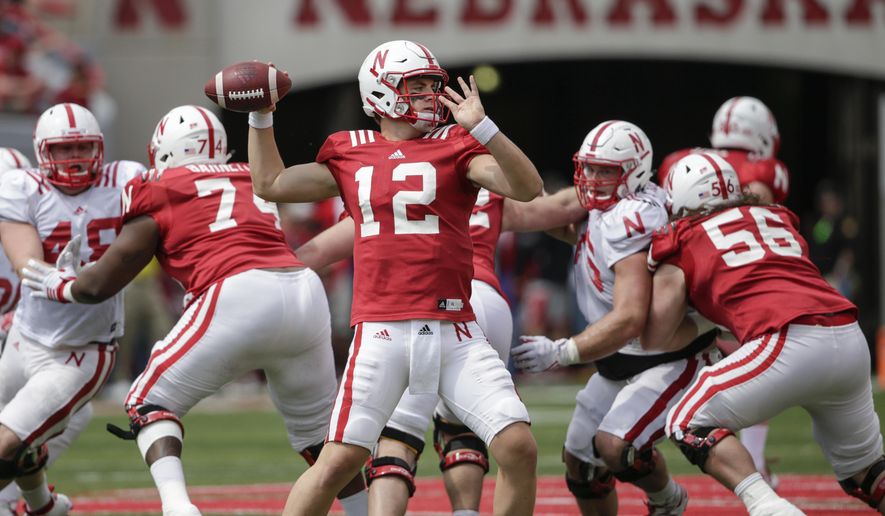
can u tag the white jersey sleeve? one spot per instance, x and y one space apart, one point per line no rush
17 189
627 228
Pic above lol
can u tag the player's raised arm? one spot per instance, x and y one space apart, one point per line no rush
507 171
543 213
271 180
666 310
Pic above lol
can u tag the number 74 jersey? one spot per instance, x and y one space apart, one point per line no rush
411 202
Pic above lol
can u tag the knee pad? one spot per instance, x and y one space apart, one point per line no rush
636 464
391 466
26 460
463 448
869 490
593 484
696 443
142 416
312 453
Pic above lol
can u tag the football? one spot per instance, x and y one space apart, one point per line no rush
247 86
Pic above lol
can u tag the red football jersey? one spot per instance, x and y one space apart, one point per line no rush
769 171
485 228
410 201
211 224
747 269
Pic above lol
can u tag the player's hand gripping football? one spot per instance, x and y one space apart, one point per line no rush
54 283
466 109
537 353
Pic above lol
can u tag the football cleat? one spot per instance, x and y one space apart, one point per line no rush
185 510
59 505
673 507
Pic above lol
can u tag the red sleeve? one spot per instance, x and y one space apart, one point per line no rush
770 172
664 245
468 147
668 162
329 150
139 197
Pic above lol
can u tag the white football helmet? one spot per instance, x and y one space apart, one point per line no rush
68 123
383 86
187 135
11 159
701 180
614 143
746 123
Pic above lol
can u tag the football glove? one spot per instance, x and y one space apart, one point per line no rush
538 353
54 283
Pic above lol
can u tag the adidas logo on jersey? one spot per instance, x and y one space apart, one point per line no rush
425 330
383 335
397 155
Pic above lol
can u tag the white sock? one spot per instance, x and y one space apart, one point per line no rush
667 493
753 438
754 490
356 504
169 478
38 497
465 512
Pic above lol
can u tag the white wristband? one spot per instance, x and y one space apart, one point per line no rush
568 353
260 120
484 130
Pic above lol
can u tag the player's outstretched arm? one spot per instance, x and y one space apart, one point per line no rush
507 171
123 260
543 213
666 312
332 245
21 242
271 180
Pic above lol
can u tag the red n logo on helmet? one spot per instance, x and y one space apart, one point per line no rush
637 142
380 58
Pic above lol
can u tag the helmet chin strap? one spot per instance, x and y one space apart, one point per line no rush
425 123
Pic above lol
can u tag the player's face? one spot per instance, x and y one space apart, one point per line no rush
416 86
67 151
603 179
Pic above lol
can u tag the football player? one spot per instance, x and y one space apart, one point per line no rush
800 341
410 188
745 134
251 303
463 456
57 357
620 412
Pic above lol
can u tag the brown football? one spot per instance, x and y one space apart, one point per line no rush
247 86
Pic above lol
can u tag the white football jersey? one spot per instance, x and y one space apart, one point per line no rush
607 237
26 196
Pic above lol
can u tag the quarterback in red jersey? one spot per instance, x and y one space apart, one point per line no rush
743 265
745 134
463 456
253 304
410 189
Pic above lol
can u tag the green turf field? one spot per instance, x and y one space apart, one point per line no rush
249 446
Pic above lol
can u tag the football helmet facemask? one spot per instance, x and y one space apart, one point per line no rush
384 88
187 135
614 143
69 124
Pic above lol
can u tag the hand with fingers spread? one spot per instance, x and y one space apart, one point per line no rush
54 283
537 353
467 108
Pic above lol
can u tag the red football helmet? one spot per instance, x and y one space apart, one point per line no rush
69 124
